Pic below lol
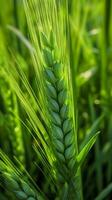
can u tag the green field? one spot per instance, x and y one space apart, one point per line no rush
55 100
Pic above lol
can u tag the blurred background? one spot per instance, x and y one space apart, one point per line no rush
91 54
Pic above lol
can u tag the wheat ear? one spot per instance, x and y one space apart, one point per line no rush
13 124
13 182
61 125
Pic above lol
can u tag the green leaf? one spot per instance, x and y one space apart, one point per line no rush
104 193
92 131
82 155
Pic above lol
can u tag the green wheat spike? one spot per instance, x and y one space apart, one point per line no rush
13 182
61 125
11 111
